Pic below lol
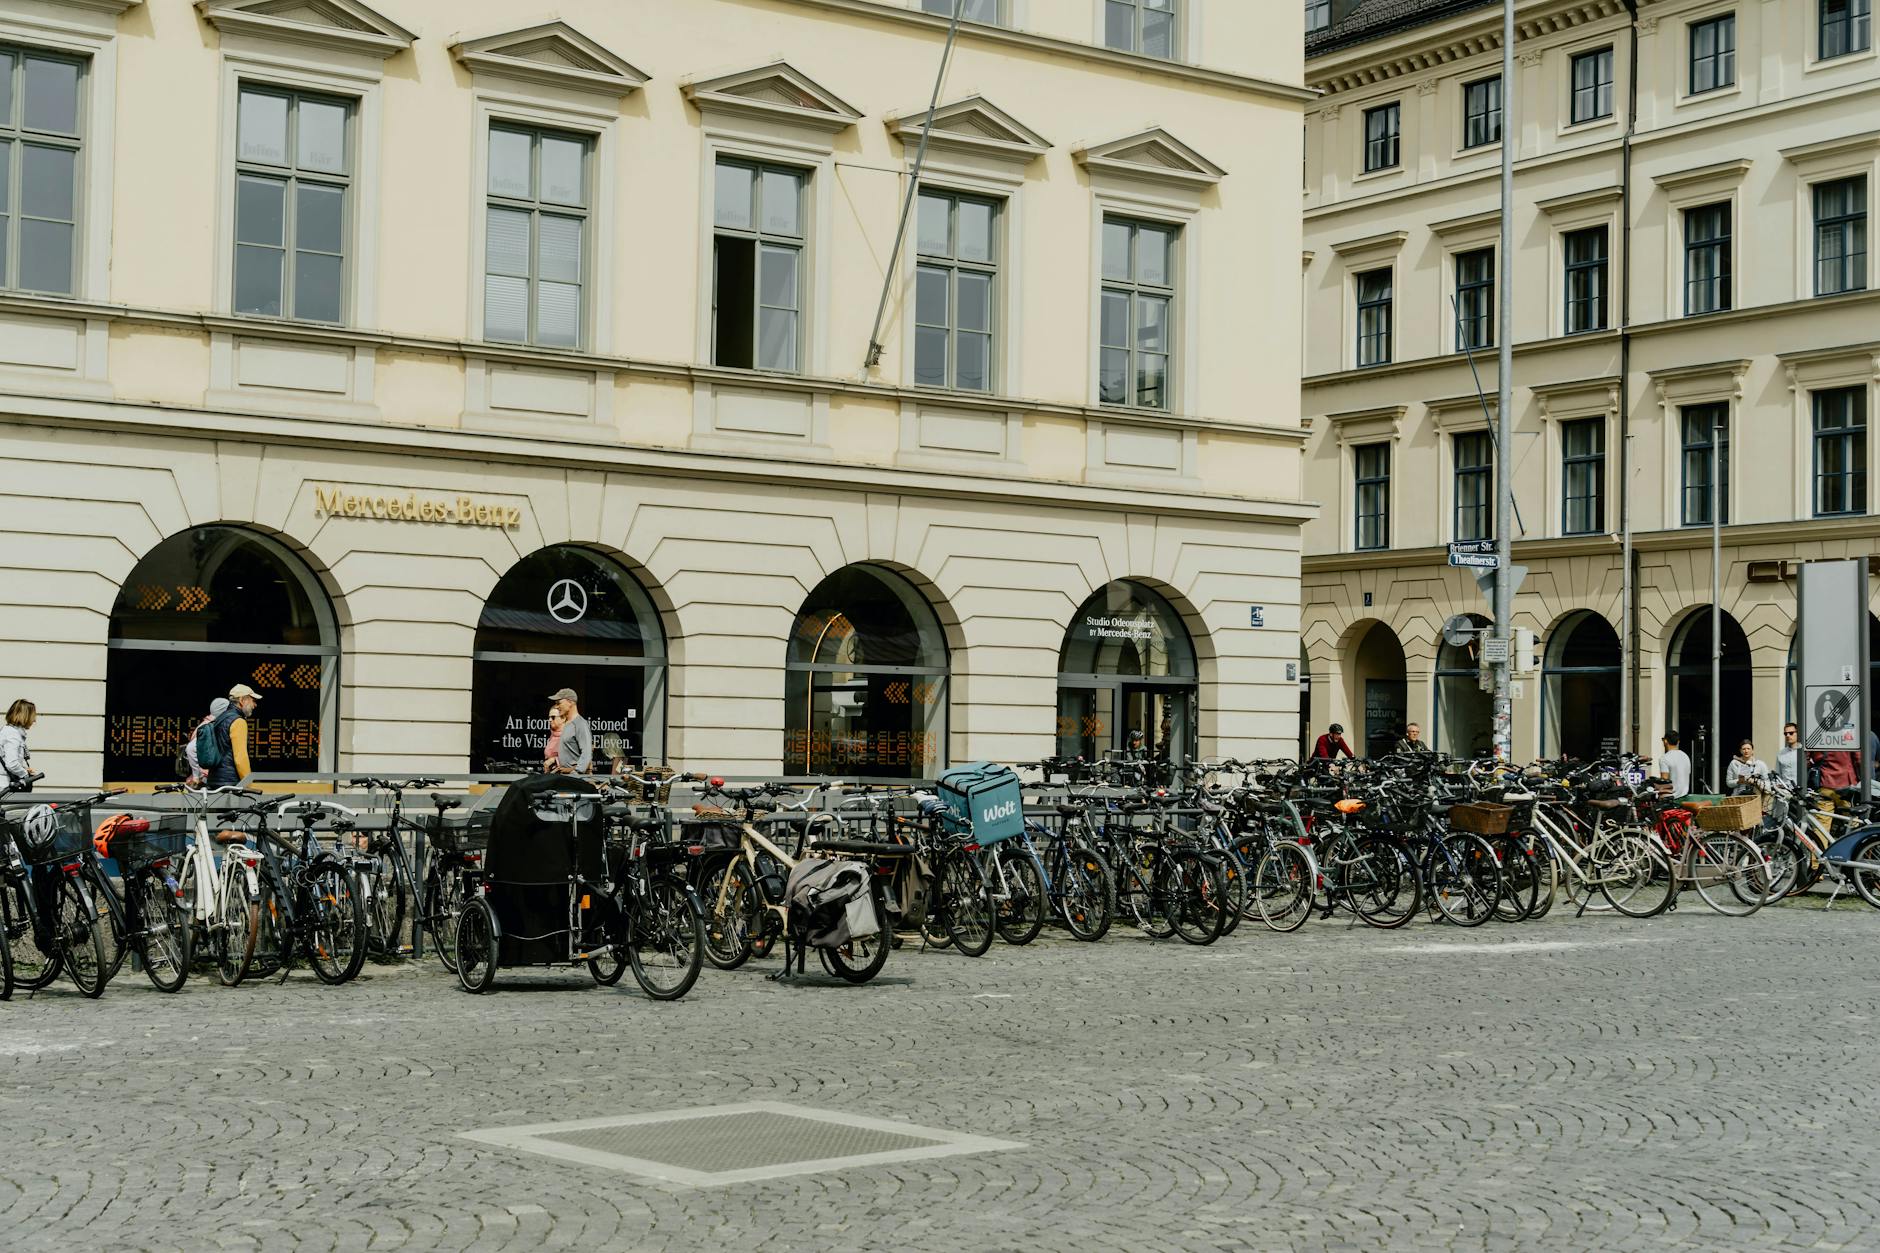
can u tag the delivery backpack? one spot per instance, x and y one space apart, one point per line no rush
987 799
831 902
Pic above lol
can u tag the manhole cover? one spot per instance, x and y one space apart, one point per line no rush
724 1144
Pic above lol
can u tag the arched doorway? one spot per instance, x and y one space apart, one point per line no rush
865 681
1687 688
204 610
1127 678
1380 696
569 617
1580 689
1464 714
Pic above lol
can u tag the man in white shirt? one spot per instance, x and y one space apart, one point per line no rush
1674 766
1789 760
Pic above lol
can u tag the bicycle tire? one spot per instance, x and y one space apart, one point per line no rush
1638 880
478 944
1193 889
666 940
1021 914
1462 878
80 936
1087 898
728 931
1137 895
443 897
1738 883
966 904
1785 855
1282 887
1234 871
1383 885
163 930
110 906
609 967
34 967
1547 888
336 924
1866 882
387 921
6 956
238 930
1520 878
863 957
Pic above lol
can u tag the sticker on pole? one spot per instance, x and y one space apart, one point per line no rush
1833 718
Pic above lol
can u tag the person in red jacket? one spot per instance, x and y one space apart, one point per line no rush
1332 743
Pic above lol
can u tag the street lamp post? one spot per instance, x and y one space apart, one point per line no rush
1504 419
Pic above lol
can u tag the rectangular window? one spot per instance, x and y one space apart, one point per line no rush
1371 463
986 11
292 187
1381 128
1481 112
1841 235
1583 476
536 241
1585 252
1136 329
1145 26
1703 424
1475 486
757 266
1840 451
955 291
1318 15
1707 259
1475 299
1592 85
1713 53
1374 301
1846 26
40 145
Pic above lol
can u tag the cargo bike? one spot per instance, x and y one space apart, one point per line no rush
573 876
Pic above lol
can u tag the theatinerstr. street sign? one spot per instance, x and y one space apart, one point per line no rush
1478 554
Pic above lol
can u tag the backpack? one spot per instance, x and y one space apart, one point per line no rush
208 752
831 901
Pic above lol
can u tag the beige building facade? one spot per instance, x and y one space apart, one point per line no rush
409 362
1693 182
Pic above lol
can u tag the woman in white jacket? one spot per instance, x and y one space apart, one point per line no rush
15 764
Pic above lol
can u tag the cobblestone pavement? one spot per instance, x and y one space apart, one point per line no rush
1685 1082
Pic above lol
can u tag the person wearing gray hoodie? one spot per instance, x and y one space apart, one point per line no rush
16 766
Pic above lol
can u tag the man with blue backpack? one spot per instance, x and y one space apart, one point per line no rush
222 744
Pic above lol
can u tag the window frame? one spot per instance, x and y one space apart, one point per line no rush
1595 459
1719 56
1853 262
1572 270
1320 9
1721 246
1375 485
1135 288
1393 109
1386 335
1601 57
1852 437
1694 500
1001 15
1856 20
18 138
1480 289
536 207
290 176
1491 111
761 239
993 270
1479 477
1178 28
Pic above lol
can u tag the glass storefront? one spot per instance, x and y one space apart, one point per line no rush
1464 713
865 682
206 609
567 617
1580 694
1127 679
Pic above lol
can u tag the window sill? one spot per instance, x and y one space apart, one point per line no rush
1383 171
1712 93
1589 124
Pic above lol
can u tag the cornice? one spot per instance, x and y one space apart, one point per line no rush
1721 172
1577 200
1833 149
1385 241
1422 48
349 25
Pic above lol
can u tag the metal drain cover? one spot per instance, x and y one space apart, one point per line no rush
725 1144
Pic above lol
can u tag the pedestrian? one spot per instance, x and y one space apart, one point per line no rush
195 773
1332 743
1789 760
16 764
1746 772
230 736
1674 767
551 750
1412 741
1834 773
574 754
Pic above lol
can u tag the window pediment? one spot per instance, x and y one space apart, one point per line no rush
345 25
1692 384
554 53
779 92
974 124
1581 398
1366 426
1153 154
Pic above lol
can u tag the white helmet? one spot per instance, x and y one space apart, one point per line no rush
40 825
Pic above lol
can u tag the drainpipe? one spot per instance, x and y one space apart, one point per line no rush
1628 606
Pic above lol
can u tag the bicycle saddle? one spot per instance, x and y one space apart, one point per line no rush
444 803
711 811
1608 803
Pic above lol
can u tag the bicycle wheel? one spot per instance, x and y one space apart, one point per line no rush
730 925
478 942
273 946
1021 911
1086 893
1785 855
34 967
387 922
163 930
862 958
1463 878
336 941
1137 898
1548 874
6 958
965 904
111 929
1193 889
666 940
443 898
1520 878
1866 882
1729 872
1281 887
238 930
1382 882
81 937
608 967
1634 875
1234 872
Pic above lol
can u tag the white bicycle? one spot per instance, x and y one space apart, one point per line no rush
221 899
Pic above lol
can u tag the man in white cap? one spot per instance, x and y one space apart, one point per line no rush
575 754
230 730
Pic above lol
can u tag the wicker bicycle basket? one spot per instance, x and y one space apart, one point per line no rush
1729 813
1481 817
657 787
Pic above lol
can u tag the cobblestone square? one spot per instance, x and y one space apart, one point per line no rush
1685 1082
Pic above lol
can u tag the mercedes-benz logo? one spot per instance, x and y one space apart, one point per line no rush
567 601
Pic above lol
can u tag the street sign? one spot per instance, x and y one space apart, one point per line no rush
1258 615
1485 580
1477 554
1460 631
1833 718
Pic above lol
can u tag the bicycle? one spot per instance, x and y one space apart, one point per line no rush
220 900
308 906
153 922
46 906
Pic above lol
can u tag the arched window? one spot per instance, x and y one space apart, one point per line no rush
567 617
1381 698
1580 678
865 682
204 610
1464 713
1687 683
1126 677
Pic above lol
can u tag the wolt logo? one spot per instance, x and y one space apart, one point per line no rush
993 813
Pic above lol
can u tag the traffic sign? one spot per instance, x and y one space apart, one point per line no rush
1494 651
1833 718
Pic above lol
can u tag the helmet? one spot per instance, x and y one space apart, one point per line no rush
39 826
112 827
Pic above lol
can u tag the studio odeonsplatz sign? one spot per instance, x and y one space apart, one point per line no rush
335 502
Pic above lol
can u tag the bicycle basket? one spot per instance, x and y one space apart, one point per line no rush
1727 813
52 832
133 850
713 837
468 834
655 790
1481 818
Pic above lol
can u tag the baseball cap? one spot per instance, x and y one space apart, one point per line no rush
242 689
566 693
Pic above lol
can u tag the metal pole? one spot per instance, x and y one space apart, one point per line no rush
1504 406
1866 684
1716 616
